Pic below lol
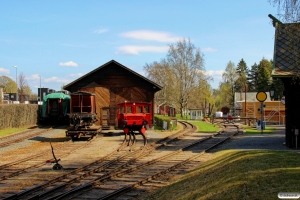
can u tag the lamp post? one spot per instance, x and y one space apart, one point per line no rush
16 81
40 87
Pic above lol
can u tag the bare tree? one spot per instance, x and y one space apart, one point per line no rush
187 65
180 73
288 10
160 73
23 88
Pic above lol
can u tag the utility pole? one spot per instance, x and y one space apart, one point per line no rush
16 82
40 88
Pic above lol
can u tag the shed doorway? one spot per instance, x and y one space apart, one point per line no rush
105 117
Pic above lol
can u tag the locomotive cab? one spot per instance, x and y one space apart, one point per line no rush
134 116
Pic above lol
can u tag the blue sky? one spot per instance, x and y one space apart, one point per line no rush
63 40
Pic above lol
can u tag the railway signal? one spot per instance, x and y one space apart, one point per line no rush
261 97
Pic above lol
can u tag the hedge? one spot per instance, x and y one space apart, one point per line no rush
18 115
159 119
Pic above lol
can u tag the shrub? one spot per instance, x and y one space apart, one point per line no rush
18 115
159 119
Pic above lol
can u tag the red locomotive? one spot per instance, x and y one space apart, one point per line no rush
82 115
134 116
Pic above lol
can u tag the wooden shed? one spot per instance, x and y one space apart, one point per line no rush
196 113
113 83
286 66
165 109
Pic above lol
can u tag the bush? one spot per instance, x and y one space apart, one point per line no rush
159 119
18 115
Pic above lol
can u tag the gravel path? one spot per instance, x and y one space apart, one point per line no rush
242 141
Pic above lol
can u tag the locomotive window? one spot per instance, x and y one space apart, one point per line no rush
146 109
128 109
139 109
121 109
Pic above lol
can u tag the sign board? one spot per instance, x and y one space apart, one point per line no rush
261 96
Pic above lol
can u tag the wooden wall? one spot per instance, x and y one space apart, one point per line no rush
108 98
113 83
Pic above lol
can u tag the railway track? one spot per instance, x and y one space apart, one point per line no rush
126 151
104 168
17 137
23 165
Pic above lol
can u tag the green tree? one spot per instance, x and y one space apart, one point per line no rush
241 83
230 76
264 75
252 78
278 89
9 86
242 67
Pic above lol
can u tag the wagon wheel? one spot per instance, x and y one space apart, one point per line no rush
74 138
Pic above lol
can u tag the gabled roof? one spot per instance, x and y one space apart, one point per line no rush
158 87
286 49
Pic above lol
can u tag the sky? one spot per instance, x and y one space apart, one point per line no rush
52 43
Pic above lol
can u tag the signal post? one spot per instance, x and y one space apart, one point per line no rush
261 97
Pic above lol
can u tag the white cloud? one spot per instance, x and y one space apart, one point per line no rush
215 73
100 31
208 49
76 75
135 50
151 35
68 64
4 71
55 79
33 77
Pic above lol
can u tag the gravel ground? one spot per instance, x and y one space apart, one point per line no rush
242 141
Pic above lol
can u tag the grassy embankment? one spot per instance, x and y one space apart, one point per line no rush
233 174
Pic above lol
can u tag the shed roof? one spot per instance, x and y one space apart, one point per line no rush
110 63
286 49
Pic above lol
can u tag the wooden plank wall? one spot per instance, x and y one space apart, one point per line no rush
110 97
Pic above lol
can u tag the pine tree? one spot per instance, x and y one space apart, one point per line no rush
242 70
264 75
242 67
252 78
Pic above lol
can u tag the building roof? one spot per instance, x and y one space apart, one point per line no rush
111 63
286 49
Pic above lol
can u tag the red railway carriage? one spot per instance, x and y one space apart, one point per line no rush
134 116
82 115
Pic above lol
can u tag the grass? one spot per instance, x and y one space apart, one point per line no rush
9 131
234 174
253 130
204 127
